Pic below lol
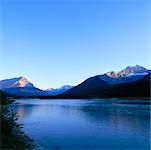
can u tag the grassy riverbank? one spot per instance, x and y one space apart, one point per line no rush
12 137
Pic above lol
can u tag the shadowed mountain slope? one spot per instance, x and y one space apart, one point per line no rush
89 88
140 88
95 87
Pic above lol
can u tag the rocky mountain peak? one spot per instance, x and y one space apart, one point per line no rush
127 71
111 74
15 82
23 82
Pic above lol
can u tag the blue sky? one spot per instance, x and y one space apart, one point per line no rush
57 42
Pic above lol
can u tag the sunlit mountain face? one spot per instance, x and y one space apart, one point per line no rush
21 87
130 70
15 82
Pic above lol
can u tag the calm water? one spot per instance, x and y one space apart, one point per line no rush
86 124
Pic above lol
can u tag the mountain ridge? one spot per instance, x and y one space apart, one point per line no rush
90 87
15 82
138 88
60 90
127 71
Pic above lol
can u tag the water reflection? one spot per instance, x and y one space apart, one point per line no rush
120 119
86 124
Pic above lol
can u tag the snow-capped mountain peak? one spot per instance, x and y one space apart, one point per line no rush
23 82
60 90
130 70
15 82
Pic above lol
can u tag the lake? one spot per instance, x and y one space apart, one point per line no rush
86 124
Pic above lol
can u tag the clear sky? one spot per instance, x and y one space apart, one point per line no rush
58 42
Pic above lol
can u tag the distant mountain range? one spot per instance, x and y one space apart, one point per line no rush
131 81
60 90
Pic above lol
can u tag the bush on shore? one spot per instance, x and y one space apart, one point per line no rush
12 137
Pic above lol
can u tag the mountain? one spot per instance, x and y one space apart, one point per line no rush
24 88
130 70
95 87
20 87
25 92
60 90
127 82
15 82
124 79
99 85
89 88
129 74
139 88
